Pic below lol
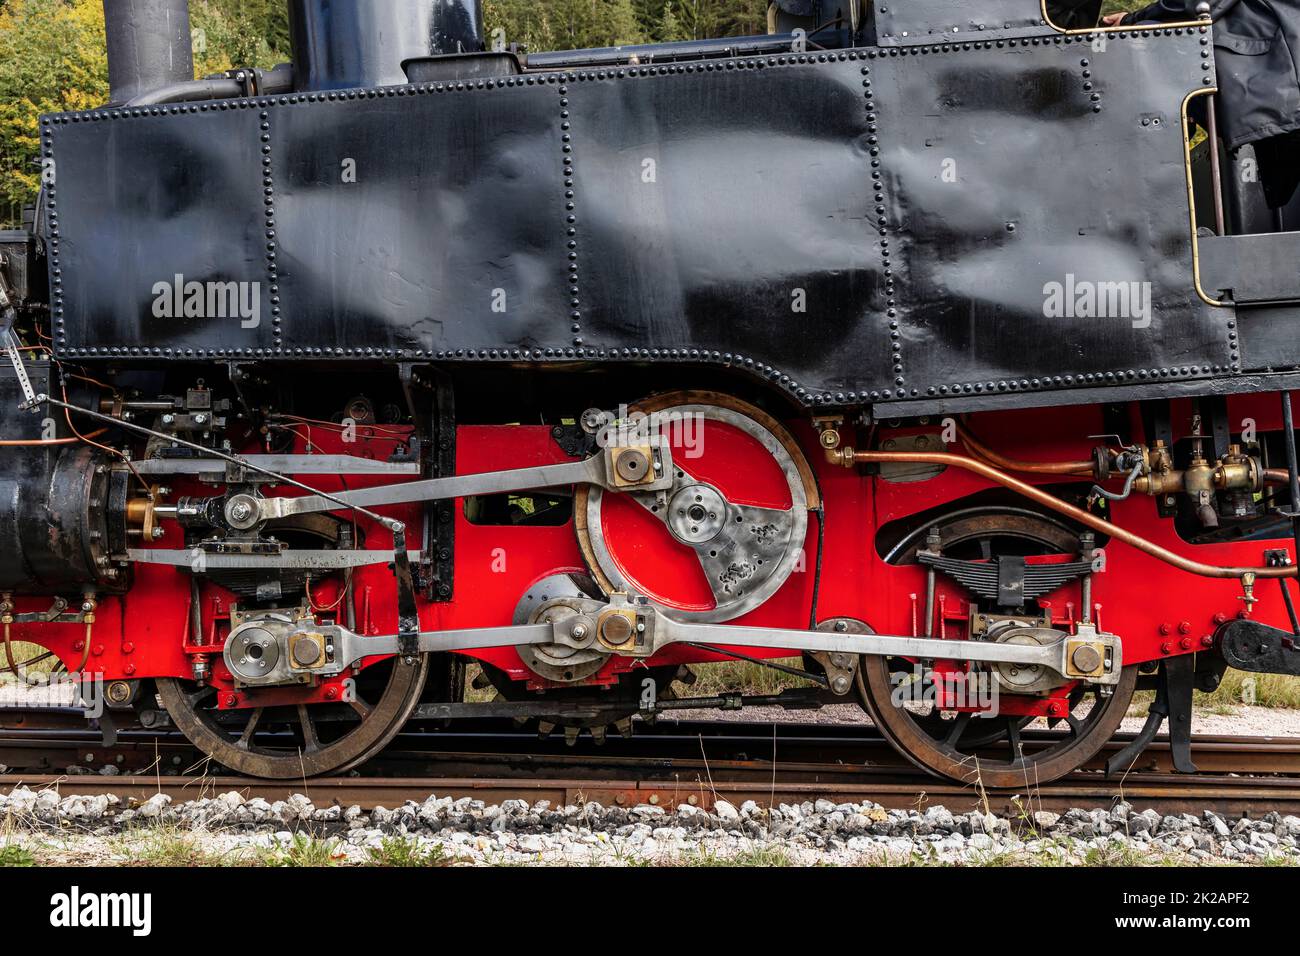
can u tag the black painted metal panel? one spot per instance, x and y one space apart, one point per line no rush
730 212
1257 268
421 223
1014 173
1269 339
140 199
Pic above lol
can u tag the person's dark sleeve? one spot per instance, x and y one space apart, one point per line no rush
1174 11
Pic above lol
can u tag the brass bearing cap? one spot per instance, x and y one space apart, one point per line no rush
617 628
1086 658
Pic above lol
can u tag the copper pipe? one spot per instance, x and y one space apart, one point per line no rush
38 442
1069 510
9 658
9 654
85 653
980 450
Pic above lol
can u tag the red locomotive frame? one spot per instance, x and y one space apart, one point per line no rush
145 632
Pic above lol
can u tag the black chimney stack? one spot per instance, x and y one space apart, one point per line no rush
148 45
342 44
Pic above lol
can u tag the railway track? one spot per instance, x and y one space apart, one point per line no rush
667 764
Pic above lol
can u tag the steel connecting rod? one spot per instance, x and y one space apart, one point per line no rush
596 470
643 631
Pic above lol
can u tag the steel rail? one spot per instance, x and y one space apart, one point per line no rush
66 743
1228 795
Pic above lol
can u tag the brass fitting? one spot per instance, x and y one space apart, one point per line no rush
828 430
141 514
1236 471
843 456
1239 472
88 606
1248 592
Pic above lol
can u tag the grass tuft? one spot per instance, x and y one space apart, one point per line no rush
306 851
758 856
742 676
170 846
399 852
11 854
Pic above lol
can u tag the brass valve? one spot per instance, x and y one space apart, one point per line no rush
1248 592
1236 471
1239 471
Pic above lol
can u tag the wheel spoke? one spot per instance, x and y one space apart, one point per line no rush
309 740
360 706
246 737
1013 739
958 728
204 690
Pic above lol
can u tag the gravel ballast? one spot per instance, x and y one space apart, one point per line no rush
103 830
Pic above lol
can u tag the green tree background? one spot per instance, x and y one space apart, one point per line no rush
52 51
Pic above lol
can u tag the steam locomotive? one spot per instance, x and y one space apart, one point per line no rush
926 349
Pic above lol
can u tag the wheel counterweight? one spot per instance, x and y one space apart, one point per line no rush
728 533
